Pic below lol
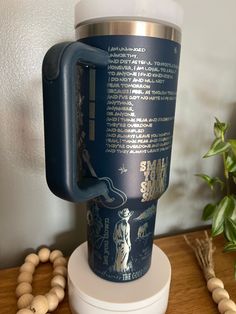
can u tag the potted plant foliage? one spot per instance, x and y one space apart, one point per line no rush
222 211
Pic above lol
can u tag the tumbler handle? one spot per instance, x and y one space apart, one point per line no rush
59 98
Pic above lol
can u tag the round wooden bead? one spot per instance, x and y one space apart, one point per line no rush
60 270
24 301
23 288
27 267
24 311
53 301
219 294
58 280
44 254
226 305
32 258
59 261
25 277
55 254
59 291
39 305
214 283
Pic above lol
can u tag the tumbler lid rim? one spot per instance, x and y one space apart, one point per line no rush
166 11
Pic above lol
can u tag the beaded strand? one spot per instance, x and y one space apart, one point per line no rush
41 304
203 250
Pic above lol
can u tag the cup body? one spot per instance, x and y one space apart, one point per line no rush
125 129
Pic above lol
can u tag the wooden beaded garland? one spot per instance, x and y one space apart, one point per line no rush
203 250
41 304
221 296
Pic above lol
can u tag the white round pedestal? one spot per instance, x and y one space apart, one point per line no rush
89 294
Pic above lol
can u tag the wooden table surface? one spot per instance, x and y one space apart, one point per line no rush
188 294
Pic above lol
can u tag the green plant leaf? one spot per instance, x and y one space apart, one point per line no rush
224 209
217 147
208 211
220 128
233 145
230 247
233 215
219 181
205 177
230 230
234 177
217 131
211 181
231 163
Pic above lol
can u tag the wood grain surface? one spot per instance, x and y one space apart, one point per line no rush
188 294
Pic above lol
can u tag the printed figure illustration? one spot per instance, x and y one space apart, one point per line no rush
95 226
144 233
114 198
121 237
147 214
142 230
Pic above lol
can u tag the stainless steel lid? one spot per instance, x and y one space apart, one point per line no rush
166 11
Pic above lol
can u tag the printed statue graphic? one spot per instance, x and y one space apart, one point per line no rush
121 237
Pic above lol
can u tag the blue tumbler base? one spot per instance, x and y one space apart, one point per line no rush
89 294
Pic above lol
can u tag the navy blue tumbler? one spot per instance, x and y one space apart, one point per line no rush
109 107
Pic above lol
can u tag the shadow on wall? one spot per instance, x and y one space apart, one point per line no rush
199 192
187 194
69 240
30 138
232 134
22 129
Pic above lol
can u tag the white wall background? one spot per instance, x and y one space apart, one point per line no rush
207 89
30 215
